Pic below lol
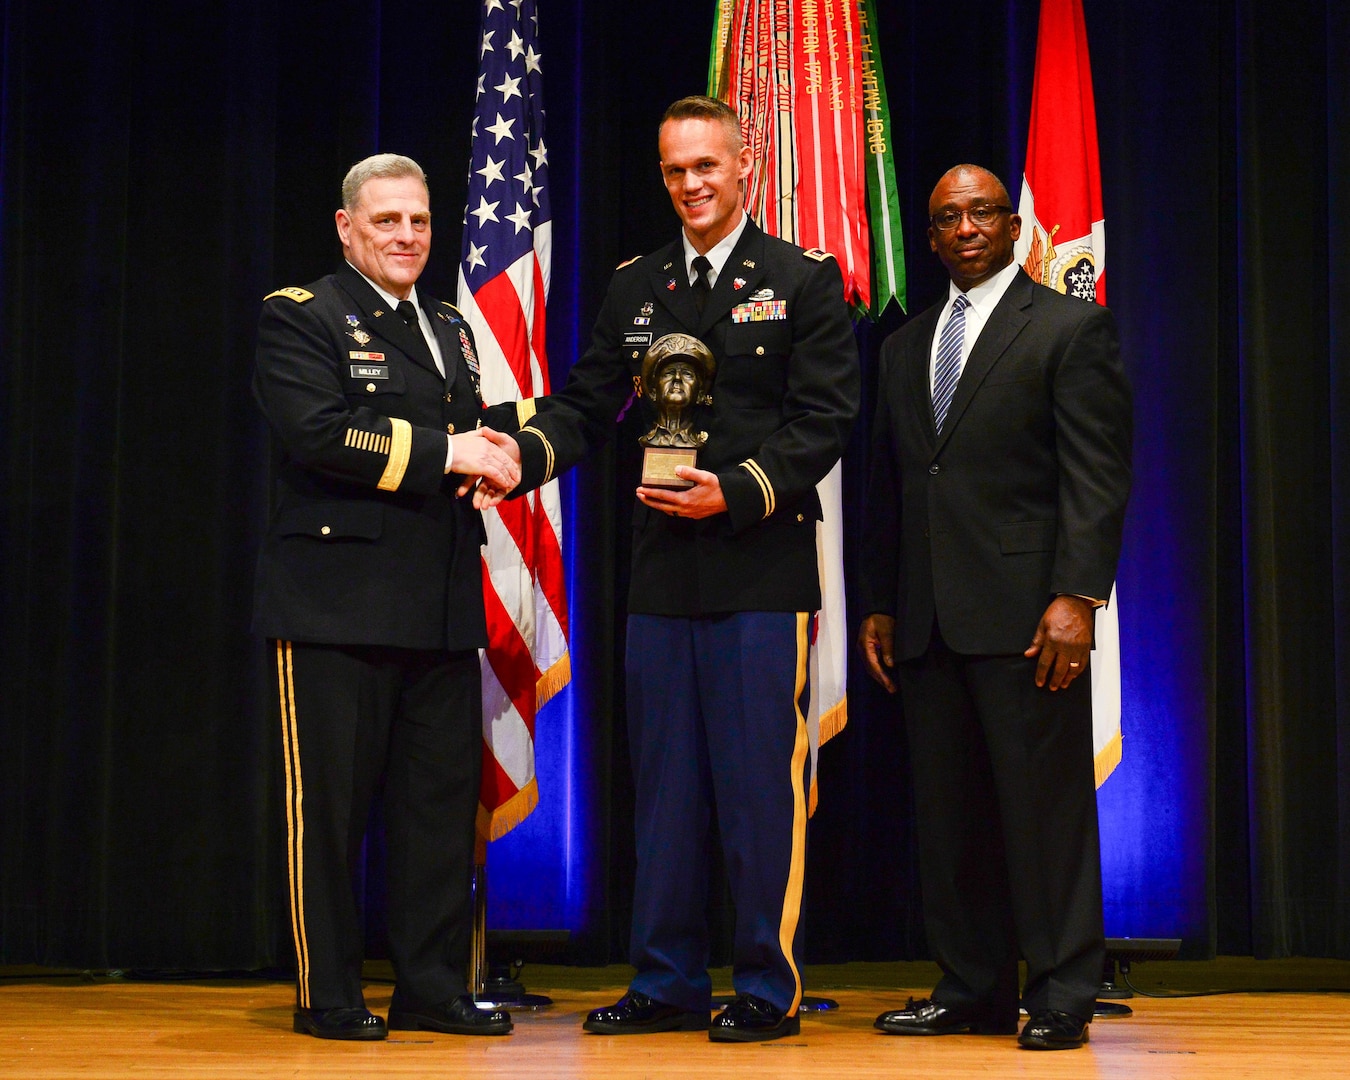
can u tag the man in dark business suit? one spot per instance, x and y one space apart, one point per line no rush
1000 472
724 577
369 591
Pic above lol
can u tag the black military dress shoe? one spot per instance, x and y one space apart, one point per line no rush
458 1016
352 1024
1051 1030
637 1014
925 1017
752 1019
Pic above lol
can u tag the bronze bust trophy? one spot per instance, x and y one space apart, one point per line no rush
677 374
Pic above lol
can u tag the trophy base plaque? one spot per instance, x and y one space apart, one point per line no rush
659 462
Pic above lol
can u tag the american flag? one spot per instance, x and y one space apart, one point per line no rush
503 289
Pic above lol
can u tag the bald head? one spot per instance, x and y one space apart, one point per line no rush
974 173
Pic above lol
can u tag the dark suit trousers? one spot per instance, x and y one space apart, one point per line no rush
1006 808
351 716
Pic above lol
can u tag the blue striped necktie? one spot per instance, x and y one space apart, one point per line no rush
948 367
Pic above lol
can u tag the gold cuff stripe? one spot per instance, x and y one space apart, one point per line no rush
295 816
525 411
368 440
752 466
792 899
548 451
399 453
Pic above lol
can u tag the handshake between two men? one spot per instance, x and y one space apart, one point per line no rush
489 461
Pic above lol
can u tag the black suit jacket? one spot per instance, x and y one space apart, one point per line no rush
366 542
784 398
1023 496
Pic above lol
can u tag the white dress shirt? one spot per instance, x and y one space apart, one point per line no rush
717 255
983 298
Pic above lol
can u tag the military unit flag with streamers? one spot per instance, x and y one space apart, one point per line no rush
1063 246
806 80
503 289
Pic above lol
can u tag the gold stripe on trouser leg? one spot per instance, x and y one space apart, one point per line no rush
295 817
792 899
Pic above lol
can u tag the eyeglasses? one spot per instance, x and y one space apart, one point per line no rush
980 216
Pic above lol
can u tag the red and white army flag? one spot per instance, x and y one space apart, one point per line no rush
503 288
1063 246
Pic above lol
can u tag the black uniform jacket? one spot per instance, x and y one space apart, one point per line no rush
1022 498
366 542
783 399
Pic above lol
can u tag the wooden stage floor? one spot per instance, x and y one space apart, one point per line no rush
72 1025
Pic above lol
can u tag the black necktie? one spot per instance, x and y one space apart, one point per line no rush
701 286
407 311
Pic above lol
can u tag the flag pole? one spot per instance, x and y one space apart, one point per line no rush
493 989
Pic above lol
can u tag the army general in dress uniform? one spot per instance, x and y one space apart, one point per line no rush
724 579
369 591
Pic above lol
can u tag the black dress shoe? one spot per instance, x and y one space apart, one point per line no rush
355 1024
458 1016
1051 1030
637 1014
752 1019
925 1017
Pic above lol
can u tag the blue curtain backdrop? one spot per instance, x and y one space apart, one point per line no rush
163 166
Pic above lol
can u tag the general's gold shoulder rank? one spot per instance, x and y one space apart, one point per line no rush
817 255
628 262
292 292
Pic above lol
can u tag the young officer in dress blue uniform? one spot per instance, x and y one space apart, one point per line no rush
724 579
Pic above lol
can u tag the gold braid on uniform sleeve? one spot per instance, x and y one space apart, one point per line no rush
400 450
761 478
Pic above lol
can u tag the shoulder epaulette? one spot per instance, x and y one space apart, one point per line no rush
458 314
628 262
292 292
817 254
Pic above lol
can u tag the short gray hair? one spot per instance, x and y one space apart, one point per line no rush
377 167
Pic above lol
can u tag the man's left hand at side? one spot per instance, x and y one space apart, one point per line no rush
702 500
1063 642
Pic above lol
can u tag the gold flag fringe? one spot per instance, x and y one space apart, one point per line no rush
1105 762
496 824
553 680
